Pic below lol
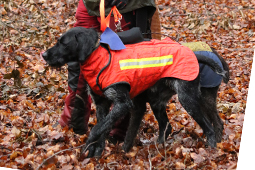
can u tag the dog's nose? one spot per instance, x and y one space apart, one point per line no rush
45 54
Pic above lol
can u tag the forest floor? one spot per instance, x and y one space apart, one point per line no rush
32 95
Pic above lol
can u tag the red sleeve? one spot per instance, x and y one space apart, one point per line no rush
83 19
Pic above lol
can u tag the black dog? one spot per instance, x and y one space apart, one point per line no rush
78 43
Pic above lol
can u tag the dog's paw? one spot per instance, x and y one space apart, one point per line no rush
218 135
218 138
95 151
211 142
161 139
94 148
127 147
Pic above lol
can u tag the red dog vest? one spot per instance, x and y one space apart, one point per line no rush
140 65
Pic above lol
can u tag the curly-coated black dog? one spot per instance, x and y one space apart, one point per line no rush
79 43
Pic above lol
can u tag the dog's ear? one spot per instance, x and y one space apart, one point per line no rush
86 42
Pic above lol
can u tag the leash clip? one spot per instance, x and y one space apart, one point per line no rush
118 25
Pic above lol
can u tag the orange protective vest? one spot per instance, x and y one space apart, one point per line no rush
140 65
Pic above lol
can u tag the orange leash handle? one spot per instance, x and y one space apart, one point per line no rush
106 21
116 13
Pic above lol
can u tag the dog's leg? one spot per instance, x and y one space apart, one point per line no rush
102 108
135 120
158 96
190 98
209 107
122 104
165 128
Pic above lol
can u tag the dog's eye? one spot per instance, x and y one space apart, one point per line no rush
64 44
63 41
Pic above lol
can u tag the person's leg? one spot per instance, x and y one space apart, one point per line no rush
77 85
73 78
77 103
82 108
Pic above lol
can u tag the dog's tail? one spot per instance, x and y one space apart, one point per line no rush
224 64
214 66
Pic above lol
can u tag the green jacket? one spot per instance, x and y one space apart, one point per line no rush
93 6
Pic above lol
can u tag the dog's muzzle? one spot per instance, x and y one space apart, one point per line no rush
45 55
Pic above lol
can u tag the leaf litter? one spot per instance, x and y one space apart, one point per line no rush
32 95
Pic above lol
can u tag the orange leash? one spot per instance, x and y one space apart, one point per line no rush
106 21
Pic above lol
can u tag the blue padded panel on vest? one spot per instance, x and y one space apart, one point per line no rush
208 78
112 39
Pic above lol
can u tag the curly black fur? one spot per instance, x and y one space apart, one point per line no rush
78 43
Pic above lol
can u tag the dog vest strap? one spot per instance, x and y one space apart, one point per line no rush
109 61
105 21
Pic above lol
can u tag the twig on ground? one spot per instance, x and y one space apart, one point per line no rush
2 147
38 135
112 165
170 28
165 142
176 132
64 151
155 142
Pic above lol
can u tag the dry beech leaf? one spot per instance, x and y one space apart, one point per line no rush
29 104
55 134
15 154
16 132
